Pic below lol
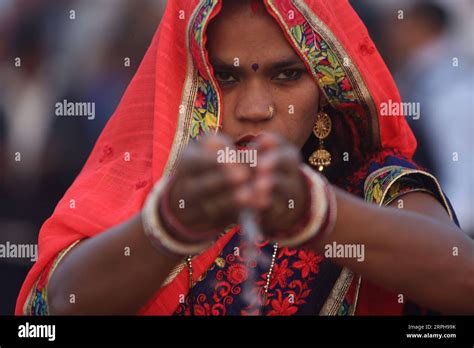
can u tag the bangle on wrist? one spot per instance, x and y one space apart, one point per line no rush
170 221
156 231
322 214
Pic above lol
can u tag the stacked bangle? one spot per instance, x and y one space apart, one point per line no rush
321 218
158 233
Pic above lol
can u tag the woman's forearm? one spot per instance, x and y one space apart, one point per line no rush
116 272
426 260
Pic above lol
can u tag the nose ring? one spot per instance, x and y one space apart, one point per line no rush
271 110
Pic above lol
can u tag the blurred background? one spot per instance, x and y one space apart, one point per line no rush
79 50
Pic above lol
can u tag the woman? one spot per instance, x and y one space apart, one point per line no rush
270 74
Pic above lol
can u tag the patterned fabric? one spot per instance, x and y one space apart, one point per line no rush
37 303
388 183
206 106
205 110
323 61
385 183
220 290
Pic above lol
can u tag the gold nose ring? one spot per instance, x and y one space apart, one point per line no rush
271 110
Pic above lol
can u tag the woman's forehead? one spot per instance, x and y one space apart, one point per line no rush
257 37
243 6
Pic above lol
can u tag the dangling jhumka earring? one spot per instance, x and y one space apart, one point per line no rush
321 158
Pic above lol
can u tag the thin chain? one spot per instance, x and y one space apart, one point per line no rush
269 274
189 260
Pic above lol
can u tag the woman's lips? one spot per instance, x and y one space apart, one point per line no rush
242 147
245 140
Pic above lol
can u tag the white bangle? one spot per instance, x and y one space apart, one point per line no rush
154 228
322 198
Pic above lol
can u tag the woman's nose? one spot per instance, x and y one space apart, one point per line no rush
255 103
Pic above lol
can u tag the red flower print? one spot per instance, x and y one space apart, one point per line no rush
200 310
200 100
324 61
250 312
281 273
307 263
237 274
107 152
301 291
345 85
221 290
282 306
218 309
286 252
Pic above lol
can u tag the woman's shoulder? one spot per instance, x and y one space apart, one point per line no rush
395 177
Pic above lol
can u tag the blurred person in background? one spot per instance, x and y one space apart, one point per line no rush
61 58
432 67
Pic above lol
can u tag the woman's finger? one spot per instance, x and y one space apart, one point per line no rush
219 178
285 159
202 155
268 141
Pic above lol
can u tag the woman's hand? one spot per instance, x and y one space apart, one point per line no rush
204 193
280 192
208 196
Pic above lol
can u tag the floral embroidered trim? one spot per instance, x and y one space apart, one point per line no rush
335 301
206 108
204 111
323 62
342 84
378 185
37 301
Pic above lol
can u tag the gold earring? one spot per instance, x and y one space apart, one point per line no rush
321 158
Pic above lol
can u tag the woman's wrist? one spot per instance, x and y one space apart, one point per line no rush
173 223
319 219
162 228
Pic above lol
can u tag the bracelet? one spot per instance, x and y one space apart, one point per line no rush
322 213
329 221
156 232
173 224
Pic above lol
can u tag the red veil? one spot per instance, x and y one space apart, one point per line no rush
163 109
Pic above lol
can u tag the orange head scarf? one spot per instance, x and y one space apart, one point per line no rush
174 98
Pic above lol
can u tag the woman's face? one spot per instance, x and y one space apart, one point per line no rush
256 68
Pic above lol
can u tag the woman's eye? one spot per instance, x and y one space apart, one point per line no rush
289 75
224 77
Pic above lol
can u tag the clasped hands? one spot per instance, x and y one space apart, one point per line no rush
206 195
